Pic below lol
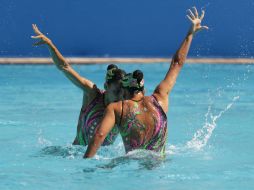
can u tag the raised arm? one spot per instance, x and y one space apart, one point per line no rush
105 127
166 85
61 62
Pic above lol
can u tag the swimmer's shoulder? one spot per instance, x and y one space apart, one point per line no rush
116 106
91 95
113 106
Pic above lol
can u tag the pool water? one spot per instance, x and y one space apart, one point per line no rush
210 141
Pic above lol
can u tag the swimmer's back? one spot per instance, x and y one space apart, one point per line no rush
142 124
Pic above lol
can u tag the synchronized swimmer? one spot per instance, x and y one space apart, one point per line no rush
123 106
142 120
94 99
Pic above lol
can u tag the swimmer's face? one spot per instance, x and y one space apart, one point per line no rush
114 91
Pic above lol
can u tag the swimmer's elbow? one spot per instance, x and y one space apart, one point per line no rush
178 59
65 68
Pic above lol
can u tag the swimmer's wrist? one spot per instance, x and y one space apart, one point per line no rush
191 31
190 35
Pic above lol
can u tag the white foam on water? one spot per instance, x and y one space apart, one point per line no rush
202 136
107 153
42 141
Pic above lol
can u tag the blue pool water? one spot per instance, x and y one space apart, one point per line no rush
210 141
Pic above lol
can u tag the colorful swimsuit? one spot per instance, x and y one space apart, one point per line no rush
157 139
90 118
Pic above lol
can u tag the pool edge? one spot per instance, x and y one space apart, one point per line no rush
119 60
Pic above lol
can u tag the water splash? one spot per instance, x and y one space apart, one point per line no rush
42 141
69 151
202 136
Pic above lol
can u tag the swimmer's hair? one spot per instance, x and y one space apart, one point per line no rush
112 66
114 74
118 75
139 76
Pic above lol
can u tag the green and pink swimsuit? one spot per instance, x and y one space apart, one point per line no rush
90 118
158 137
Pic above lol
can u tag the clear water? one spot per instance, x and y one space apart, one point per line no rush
210 142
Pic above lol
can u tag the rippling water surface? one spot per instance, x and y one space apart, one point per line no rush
210 141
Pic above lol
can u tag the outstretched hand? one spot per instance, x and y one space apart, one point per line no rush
42 38
196 20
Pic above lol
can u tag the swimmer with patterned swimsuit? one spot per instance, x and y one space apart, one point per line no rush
141 119
94 100
89 118
143 125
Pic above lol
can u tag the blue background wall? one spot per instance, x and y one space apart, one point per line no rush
126 27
